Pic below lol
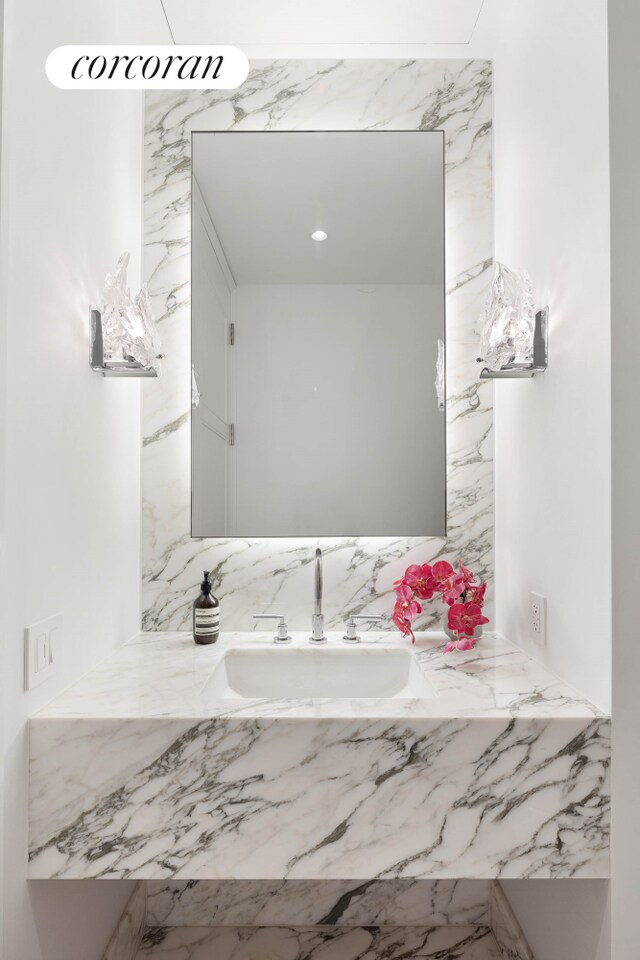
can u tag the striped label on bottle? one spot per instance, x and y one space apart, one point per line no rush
207 621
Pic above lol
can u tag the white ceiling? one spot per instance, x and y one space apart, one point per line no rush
378 196
272 22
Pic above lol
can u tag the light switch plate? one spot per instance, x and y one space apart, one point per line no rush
42 651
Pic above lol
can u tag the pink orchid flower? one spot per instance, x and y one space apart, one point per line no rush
459 589
462 643
468 578
403 591
465 617
477 594
400 587
417 578
446 581
401 622
407 603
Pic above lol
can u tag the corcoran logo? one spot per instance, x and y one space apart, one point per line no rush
147 67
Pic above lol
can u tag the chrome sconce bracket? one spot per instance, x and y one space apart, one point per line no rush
524 371
110 368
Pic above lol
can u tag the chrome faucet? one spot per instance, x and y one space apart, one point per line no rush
317 620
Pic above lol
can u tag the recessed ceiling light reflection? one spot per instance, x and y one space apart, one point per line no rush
318 235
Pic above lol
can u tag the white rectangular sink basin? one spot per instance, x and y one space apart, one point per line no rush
302 674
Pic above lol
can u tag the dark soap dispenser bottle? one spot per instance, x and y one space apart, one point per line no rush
206 614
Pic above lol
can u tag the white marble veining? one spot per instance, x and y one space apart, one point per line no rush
264 903
318 943
511 940
256 575
503 774
127 936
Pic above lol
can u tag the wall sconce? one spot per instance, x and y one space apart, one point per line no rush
124 340
514 342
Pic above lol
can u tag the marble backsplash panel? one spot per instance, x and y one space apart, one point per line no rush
253 576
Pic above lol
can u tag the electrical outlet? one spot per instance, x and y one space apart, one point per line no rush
42 651
538 618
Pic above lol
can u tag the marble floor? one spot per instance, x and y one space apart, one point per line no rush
319 943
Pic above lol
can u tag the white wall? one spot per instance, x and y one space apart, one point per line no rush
552 434
552 447
564 919
71 192
624 73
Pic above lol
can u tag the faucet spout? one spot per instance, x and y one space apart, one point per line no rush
317 620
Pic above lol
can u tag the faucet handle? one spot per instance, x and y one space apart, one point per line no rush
351 636
282 634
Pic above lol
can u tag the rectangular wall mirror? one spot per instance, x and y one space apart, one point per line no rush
318 315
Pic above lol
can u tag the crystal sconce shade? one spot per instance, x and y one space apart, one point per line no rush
124 338
514 336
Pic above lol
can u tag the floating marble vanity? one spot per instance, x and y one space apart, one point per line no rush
138 771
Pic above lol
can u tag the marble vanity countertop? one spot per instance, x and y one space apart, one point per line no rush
166 675
136 771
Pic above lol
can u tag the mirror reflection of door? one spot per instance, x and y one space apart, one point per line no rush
329 387
212 293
